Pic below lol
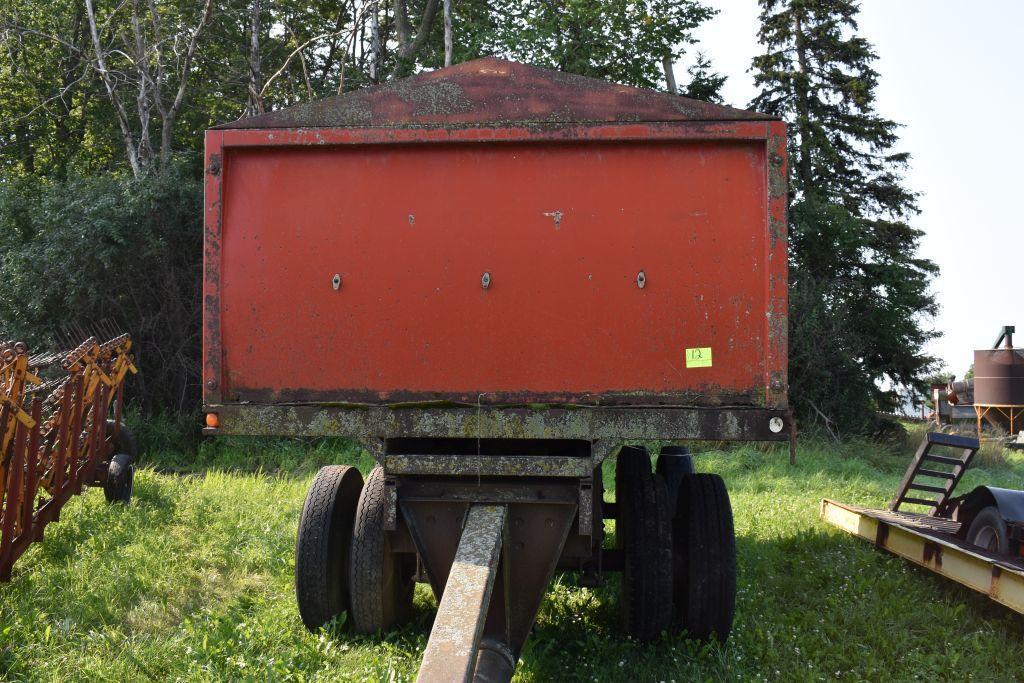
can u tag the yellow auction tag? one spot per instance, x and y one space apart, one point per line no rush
698 358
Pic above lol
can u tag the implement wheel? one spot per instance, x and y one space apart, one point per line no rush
643 532
704 558
322 547
988 531
120 481
381 581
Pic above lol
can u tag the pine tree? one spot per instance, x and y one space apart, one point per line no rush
859 292
705 84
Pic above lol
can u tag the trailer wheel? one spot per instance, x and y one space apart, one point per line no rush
674 463
125 441
988 531
644 533
120 479
704 558
381 581
322 546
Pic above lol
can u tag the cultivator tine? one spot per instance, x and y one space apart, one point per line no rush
53 428
12 499
31 467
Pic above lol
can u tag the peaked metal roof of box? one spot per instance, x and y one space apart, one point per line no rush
493 92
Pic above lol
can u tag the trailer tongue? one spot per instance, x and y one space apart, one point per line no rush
495 276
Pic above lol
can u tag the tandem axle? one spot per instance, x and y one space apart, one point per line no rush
487 520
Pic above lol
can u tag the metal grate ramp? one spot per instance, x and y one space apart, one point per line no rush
935 474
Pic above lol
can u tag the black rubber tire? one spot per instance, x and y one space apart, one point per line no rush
322 545
380 581
120 481
674 463
125 441
704 558
643 532
988 531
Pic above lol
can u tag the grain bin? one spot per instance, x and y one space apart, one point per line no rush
999 384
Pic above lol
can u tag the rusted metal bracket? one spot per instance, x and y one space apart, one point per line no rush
586 506
454 643
390 521
488 465
601 449
375 447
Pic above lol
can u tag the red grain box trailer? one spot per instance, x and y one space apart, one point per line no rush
495 276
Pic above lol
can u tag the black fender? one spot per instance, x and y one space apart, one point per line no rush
1009 502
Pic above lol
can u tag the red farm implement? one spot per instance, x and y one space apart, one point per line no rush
568 269
60 430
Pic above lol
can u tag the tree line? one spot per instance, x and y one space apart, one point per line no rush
105 103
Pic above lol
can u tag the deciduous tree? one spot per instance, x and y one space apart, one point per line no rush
619 40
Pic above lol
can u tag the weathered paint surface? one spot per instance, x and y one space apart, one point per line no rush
493 92
613 424
489 465
455 636
563 210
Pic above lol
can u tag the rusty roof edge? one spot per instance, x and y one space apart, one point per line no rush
491 92
494 125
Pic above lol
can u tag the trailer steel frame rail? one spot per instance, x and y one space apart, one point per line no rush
929 542
490 422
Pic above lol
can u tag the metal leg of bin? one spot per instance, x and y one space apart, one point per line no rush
451 652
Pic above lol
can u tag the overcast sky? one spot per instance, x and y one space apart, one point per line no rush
951 74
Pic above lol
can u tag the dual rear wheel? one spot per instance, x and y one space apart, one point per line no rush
343 563
675 531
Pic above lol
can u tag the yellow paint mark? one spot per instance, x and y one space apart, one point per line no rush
698 358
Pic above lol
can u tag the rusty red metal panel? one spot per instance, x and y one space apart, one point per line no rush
777 258
212 347
561 213
626 132
564 230
495 93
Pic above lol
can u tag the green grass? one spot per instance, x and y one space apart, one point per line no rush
194 582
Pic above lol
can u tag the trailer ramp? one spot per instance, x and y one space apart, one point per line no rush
935 473
930 542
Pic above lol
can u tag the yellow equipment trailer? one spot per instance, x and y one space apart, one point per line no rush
975 539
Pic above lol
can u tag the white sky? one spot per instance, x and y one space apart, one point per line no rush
951 73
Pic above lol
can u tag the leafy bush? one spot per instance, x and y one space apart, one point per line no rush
109 249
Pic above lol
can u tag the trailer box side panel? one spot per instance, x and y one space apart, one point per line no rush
608 272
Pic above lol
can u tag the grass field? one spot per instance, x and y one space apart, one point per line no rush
194 582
